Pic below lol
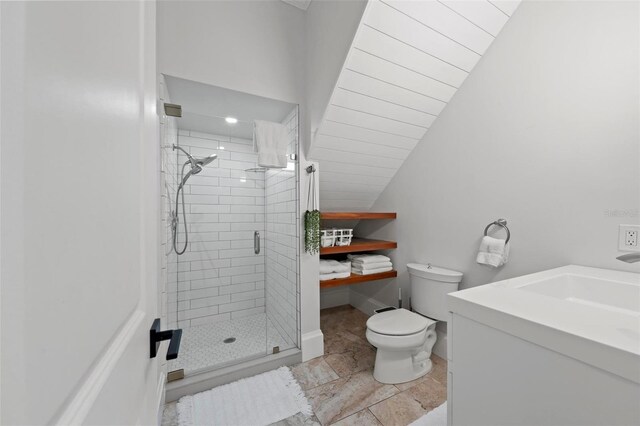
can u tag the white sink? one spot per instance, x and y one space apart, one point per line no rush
557 347
589 314
597 292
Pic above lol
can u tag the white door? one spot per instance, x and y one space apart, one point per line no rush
79 213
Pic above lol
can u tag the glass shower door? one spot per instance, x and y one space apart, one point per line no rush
221 275
282 246
234 291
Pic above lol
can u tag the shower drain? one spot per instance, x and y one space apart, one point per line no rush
229 340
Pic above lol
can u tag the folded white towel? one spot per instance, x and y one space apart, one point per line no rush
329 266
369 266
271 141
336 275
370 271
368 258
493 252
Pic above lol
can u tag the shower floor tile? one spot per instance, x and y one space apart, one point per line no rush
203 347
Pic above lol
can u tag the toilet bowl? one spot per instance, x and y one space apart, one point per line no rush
404 339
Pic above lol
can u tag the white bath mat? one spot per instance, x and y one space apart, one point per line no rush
258 400
435 417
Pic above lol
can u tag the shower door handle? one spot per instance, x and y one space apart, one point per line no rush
256 242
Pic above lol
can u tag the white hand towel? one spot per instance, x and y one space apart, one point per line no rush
369 266
370 271
368 258
336 275
493 252
329 266
271 140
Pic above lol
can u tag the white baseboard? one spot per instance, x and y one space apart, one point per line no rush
364 303
312 345
332 297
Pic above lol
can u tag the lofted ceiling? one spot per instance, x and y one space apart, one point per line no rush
405 63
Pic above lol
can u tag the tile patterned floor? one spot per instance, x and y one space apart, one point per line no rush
340 385
202 346
341 388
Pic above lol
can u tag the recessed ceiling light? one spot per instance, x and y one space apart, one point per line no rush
221 147
231 120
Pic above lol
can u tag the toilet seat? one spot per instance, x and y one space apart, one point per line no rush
403 341
399 322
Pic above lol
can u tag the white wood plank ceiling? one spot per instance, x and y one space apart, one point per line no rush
406 62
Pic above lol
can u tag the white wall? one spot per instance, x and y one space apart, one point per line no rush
312 338
545 133
330 28
326 51
219 277
251 46
256 47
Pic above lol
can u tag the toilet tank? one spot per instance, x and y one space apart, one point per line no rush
429 288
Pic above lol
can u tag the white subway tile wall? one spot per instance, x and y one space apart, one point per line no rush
282 243
219 277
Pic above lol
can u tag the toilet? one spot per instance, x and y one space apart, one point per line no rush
404 339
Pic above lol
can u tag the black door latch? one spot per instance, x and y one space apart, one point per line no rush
157 336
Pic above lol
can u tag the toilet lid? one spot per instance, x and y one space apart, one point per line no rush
398 322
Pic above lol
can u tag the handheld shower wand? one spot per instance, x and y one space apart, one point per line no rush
197 164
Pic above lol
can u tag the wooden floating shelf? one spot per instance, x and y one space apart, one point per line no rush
355 215
360 245
355 279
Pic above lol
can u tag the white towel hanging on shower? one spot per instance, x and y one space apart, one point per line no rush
270 140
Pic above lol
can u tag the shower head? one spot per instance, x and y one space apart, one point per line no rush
206 160
196 163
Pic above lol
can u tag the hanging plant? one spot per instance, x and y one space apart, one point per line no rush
312 231
312 217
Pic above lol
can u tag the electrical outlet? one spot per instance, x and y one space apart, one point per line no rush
631 238
628 238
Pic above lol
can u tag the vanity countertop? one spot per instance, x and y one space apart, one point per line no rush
589 314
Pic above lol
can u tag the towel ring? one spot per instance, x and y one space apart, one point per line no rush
502 223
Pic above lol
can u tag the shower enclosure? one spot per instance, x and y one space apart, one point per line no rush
234 291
